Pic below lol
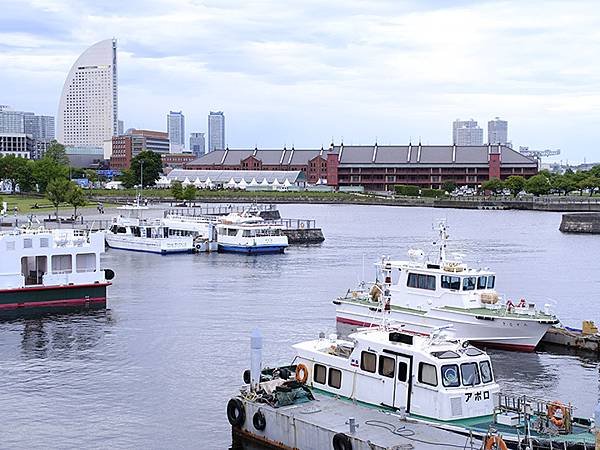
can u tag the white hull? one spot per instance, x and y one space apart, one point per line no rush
150 245
502 332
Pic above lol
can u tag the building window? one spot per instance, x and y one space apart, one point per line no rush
335 378
320 374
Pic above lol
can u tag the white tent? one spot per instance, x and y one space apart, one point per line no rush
276 184
208 183
163 182
186 181
242 184
231 184
197 182
264 182
253 182
287 183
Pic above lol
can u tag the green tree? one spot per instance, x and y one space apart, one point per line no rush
494 185
590 183
189 193
56 152
57 192
563 184
177 190
46 169
515 184
152 164
18 172
449 186
75 197
538 185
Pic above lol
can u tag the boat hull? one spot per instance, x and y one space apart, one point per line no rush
254 250
158 246
519 334
39 300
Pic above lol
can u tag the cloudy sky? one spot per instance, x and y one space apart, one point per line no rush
303 72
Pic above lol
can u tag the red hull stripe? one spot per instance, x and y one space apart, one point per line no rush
56 303
65 286
516 347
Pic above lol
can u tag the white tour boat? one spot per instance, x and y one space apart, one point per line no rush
425 295
45 271
249 233
202 229
132 232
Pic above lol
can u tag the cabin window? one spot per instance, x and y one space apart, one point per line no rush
486 371
427 374
386 366
33 269
482 283
421 281
27 243
472 351
450 377
469 283
320 374
449 282
402 371
335 378
62 264
491 281
121 230
246 233
470 374
85 262
447 354
44 242
10 245
368 362
231 232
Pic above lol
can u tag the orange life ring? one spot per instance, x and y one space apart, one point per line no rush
301 373
552 409
495 443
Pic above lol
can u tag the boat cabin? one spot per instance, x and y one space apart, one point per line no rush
427 376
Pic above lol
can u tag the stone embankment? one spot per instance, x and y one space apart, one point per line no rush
580 223
304 236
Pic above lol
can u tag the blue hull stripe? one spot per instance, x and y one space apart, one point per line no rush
254 249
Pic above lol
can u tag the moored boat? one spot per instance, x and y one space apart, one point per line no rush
249 233
44 271
424 295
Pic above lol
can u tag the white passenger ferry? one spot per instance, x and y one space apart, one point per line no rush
249 233
51 271
129 231
202 229
425 295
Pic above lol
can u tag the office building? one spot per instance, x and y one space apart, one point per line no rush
120 126
126 147
41 128
176 131
87 111
466 132
17 144
498 131
197 144
216 131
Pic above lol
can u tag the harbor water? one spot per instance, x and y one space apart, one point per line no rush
156 369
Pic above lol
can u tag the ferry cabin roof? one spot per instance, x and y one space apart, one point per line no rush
445 381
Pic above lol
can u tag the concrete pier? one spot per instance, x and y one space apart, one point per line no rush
313 425
580 223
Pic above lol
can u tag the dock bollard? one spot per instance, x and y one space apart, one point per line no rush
352 424
597 425
256 358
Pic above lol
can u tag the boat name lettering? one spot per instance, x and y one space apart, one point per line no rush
477 396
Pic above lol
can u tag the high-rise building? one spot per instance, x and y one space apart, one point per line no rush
120 127
197 145
176 130
498 131
41 128
12 121
216 131
466 132
88 107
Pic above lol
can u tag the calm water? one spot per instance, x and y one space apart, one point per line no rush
157 368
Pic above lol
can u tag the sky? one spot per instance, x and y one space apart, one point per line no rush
303 73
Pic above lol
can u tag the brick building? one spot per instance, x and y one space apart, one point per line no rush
177 160
379 168
127 146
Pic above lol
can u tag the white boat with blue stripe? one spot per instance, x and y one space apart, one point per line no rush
249 233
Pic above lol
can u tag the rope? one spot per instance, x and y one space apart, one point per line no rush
406 433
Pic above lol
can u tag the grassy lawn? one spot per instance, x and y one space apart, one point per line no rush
25 204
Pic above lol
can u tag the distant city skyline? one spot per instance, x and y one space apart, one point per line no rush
466 132
216 131
197 144
282 86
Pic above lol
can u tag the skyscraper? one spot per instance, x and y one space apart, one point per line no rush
466 132
41 128
176 130
88 107
12 121
216 131
197 145
120 127
498 131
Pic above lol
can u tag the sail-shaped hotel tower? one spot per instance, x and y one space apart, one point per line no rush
88 108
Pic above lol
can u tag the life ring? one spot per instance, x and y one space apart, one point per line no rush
553 408
198 246
236 415
301 373
259 421
495 443
301 224
341 442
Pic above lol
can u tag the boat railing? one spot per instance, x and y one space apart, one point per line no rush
550 411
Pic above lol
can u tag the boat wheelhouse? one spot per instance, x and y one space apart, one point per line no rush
249 233
51 271
425 295
129 231
202 229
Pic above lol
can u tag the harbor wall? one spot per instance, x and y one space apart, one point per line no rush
304 236
580 223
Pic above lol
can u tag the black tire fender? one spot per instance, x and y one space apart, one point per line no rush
259 421
341 442
236 414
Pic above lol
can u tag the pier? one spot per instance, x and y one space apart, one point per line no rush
580 223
